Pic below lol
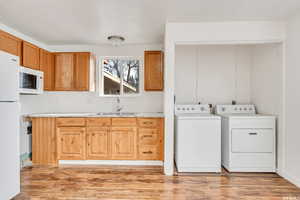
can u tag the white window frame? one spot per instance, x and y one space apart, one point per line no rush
101 79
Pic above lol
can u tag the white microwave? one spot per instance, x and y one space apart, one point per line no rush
31 81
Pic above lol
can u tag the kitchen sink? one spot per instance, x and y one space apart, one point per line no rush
117 113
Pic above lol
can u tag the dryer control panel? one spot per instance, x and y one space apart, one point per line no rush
193 108
235 109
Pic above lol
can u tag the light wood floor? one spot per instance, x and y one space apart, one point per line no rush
139 183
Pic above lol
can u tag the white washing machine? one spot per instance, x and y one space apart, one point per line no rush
197 139
248 139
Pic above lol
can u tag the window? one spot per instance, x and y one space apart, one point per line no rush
120 76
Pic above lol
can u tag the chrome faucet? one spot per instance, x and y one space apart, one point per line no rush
119 107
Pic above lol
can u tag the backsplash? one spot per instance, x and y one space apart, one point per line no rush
89 102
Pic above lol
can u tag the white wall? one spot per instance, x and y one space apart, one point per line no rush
91 102
267 87
214 74
292 154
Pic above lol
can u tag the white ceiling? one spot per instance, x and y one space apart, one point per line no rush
139 21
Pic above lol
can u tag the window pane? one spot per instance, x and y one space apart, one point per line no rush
111 76
131 76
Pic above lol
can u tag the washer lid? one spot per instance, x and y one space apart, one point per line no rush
197 116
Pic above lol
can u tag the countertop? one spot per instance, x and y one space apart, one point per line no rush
101 114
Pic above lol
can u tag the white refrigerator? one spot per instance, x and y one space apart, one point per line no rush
9 126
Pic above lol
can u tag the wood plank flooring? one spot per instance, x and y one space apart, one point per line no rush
148 183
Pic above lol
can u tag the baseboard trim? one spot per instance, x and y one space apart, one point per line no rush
289 178
199 169
252 170
112 162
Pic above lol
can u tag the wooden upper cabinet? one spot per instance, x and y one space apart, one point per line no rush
30 56
73 71
64 71
153 71
82 71
47 66
10 43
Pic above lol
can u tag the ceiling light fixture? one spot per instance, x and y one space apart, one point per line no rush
116 40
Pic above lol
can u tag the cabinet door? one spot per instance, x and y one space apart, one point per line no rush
44 141
10 44
98 143
64 71
82 70
47 66
123 141
31 56
153 71
71 143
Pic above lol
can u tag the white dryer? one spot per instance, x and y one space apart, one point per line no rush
248 139
197 139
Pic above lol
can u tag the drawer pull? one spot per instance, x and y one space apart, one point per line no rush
147 136
252 133
147 152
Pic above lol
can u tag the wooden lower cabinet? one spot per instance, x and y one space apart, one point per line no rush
150 139
123 143
44 150
98 143
71 143
97 139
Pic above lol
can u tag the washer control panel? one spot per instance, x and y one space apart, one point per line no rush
235 109
194 108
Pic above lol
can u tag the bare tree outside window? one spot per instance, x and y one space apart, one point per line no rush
120 76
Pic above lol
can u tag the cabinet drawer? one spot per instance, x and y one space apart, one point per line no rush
148 122
70 122
252 140
148 136
149 152
98 122
123 121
